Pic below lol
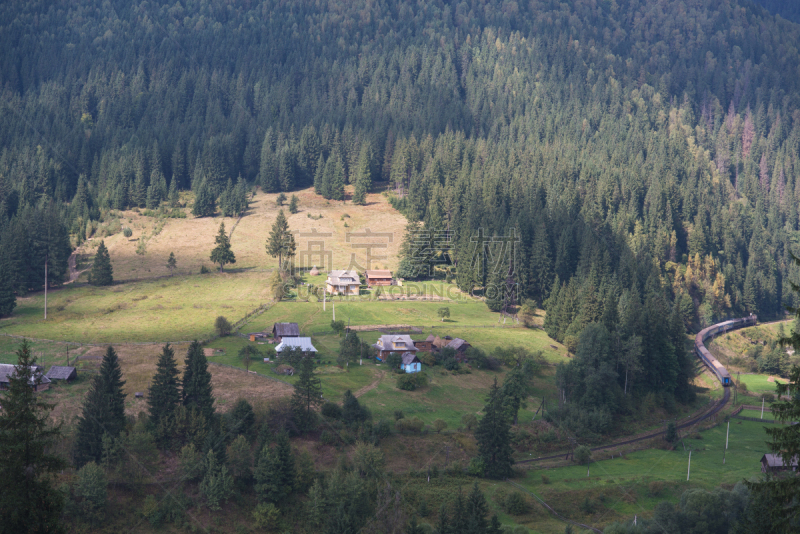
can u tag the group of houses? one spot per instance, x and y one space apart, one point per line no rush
408 348
39 381
347 282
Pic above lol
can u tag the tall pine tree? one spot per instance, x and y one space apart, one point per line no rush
494 437
197 391
28 500
102 273
307 394
275 471
164 396
222 253
103 411
281 242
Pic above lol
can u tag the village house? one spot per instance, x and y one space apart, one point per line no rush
7 371
394 343
282 330
343 283
378 277
457 344
411 363
425 345
289 343
62 372
773 463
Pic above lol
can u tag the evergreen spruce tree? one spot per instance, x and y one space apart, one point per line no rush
494 437
494 526
476 511
8 300
281 242
103 411
172 194
102 272
443 524
205 204
197 391
28 500
337 180
363 177
275 471
222 253
307 394
172 263
293 204
319 175
414 527
217 483
164 397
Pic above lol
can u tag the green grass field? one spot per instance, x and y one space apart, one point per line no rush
758 383
757 414
624 486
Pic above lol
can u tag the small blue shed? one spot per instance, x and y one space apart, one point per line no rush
411 363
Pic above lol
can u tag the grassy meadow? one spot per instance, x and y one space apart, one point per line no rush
634 483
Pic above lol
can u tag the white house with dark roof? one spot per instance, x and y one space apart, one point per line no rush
343 283
411 363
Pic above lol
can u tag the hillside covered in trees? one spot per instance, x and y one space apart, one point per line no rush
645 155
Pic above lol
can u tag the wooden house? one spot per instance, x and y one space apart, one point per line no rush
62 372
378 277
282 330
773 463
343 283
426 345
411 363
39 382
457 344
394 343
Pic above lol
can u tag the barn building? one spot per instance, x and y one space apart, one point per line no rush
773 463
7 371
289 343
282 330
378 277
62 372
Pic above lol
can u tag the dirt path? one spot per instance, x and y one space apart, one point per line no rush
371 386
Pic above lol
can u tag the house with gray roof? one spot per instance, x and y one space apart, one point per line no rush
773 463
411 363
343 283
399 343
39 382
282 330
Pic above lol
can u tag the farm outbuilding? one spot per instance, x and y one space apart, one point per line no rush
773 463
62 372
289 343
282 330
7 371
411 363
425 345
457 344
378 277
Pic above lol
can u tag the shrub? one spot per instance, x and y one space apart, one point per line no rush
469 421
410 381
655 488
398 414
394 361
582 454
427 358
127 232
672 433
451 364
515 504
222 326
327 437
414 425
331 410
545 479
439 425
204 270
587 506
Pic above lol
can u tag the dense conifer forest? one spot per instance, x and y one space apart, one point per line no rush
644 155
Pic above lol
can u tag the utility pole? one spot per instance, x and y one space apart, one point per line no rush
45 290
689 470
762 407
725 452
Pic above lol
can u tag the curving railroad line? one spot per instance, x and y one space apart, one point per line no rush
719 371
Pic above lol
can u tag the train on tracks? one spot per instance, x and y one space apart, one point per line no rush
714 330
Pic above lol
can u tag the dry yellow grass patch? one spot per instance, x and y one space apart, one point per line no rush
192 239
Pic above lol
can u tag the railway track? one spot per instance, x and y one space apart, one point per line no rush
715 367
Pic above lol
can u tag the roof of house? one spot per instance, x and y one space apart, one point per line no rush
343 277
430 338
378 273
396 342
286 329
409 358
303 343
7 370
60 372
775 460
457 343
